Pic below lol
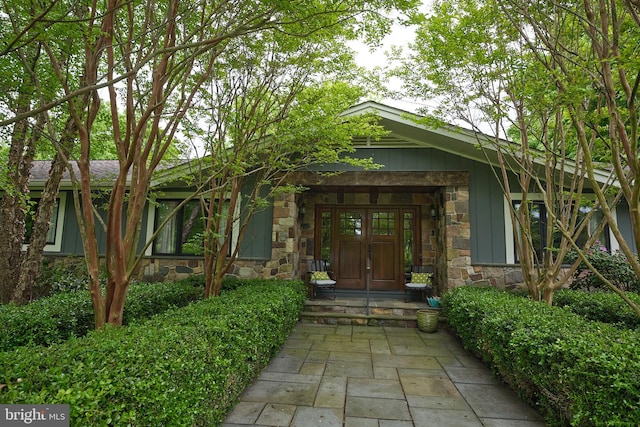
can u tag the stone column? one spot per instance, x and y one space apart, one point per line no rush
284 238
457 236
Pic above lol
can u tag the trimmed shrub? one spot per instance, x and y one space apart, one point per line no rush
576 372
604 307
184 367
614 266
60 275
57 318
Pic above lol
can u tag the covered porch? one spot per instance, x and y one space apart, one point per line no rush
372 227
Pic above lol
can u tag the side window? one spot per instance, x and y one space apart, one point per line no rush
56 222
408 232
325 236
32 210
183 233
538 218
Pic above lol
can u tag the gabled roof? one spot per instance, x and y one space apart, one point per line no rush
406 131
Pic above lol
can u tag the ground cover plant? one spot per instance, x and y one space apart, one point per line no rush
183 367
574 371
64 315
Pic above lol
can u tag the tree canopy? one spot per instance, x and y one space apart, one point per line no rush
561 80
157 67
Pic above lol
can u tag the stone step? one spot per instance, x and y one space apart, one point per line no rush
354 311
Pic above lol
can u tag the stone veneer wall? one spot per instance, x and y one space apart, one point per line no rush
285 253
457 236
456 229
507 277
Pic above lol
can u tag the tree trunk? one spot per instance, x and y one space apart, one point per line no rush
30 268
547 293
13 205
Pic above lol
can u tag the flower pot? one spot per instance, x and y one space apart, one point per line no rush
428 319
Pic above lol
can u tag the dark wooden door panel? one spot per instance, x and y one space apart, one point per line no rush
384 269
367 236
350 274
385 257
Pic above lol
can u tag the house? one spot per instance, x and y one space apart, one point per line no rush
436 201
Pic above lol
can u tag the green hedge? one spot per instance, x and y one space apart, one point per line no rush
57 318
184 367
576 372
600 306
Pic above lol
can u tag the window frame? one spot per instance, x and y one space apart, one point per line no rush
59 213
510 247
180 197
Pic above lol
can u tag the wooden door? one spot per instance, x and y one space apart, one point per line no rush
384 235
352 238
351 248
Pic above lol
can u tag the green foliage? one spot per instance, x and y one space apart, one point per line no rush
613 266
184 367
195 280
576 372
604 307
67 276
70 314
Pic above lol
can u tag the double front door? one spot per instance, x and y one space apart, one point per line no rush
377 244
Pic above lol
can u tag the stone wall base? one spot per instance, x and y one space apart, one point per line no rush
168 269
506 277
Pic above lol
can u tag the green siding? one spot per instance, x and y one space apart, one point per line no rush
71 239
257 239
624 224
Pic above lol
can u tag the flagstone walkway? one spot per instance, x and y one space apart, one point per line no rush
364 376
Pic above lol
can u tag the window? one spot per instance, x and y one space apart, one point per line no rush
325 235
30 220
408 231
592 226
183 234
56 222
538 218
350 224
384 223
